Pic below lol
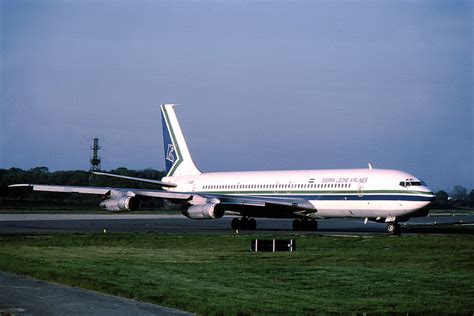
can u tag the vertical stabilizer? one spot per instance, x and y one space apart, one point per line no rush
178 160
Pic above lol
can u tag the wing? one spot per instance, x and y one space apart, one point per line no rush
163 184
266 206
63 188
105 191
256 206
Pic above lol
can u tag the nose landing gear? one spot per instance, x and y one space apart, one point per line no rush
393 228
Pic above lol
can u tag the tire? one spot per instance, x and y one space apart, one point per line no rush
297 224
393 228
252 224
235 224
312 225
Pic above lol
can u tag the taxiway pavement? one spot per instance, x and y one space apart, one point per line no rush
21 295
97 223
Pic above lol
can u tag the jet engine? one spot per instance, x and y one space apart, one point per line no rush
205 211
120 204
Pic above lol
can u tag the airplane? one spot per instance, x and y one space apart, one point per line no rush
379 195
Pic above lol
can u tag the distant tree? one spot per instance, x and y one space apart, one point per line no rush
441 196
42 175
43 170
459 193
121 171
471 198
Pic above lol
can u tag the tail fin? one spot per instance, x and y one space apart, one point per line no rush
178 160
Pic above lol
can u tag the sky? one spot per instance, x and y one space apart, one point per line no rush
262 85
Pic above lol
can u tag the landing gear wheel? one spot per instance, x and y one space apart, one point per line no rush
312 225
393 228
251 224
297 224
243 223
235 224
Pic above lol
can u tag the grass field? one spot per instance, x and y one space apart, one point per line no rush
216 274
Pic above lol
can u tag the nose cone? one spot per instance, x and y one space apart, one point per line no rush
429 193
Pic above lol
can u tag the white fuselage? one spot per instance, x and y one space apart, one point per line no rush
371 193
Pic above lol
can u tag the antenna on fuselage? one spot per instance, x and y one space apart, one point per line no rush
370 166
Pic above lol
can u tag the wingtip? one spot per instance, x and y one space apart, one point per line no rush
21 185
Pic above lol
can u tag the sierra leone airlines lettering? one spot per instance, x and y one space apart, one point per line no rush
379 195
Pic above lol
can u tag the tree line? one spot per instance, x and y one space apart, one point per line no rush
19 197
457 197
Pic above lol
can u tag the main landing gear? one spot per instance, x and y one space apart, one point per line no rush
393 228
305 224
244 223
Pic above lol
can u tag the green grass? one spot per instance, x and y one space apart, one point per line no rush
216 274
452 212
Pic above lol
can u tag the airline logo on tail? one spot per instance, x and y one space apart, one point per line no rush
170 154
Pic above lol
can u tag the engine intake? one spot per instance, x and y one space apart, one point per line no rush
205 211
121 204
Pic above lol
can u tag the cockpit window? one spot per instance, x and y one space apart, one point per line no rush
412 183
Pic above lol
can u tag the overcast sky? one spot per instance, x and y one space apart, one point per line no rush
262 84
